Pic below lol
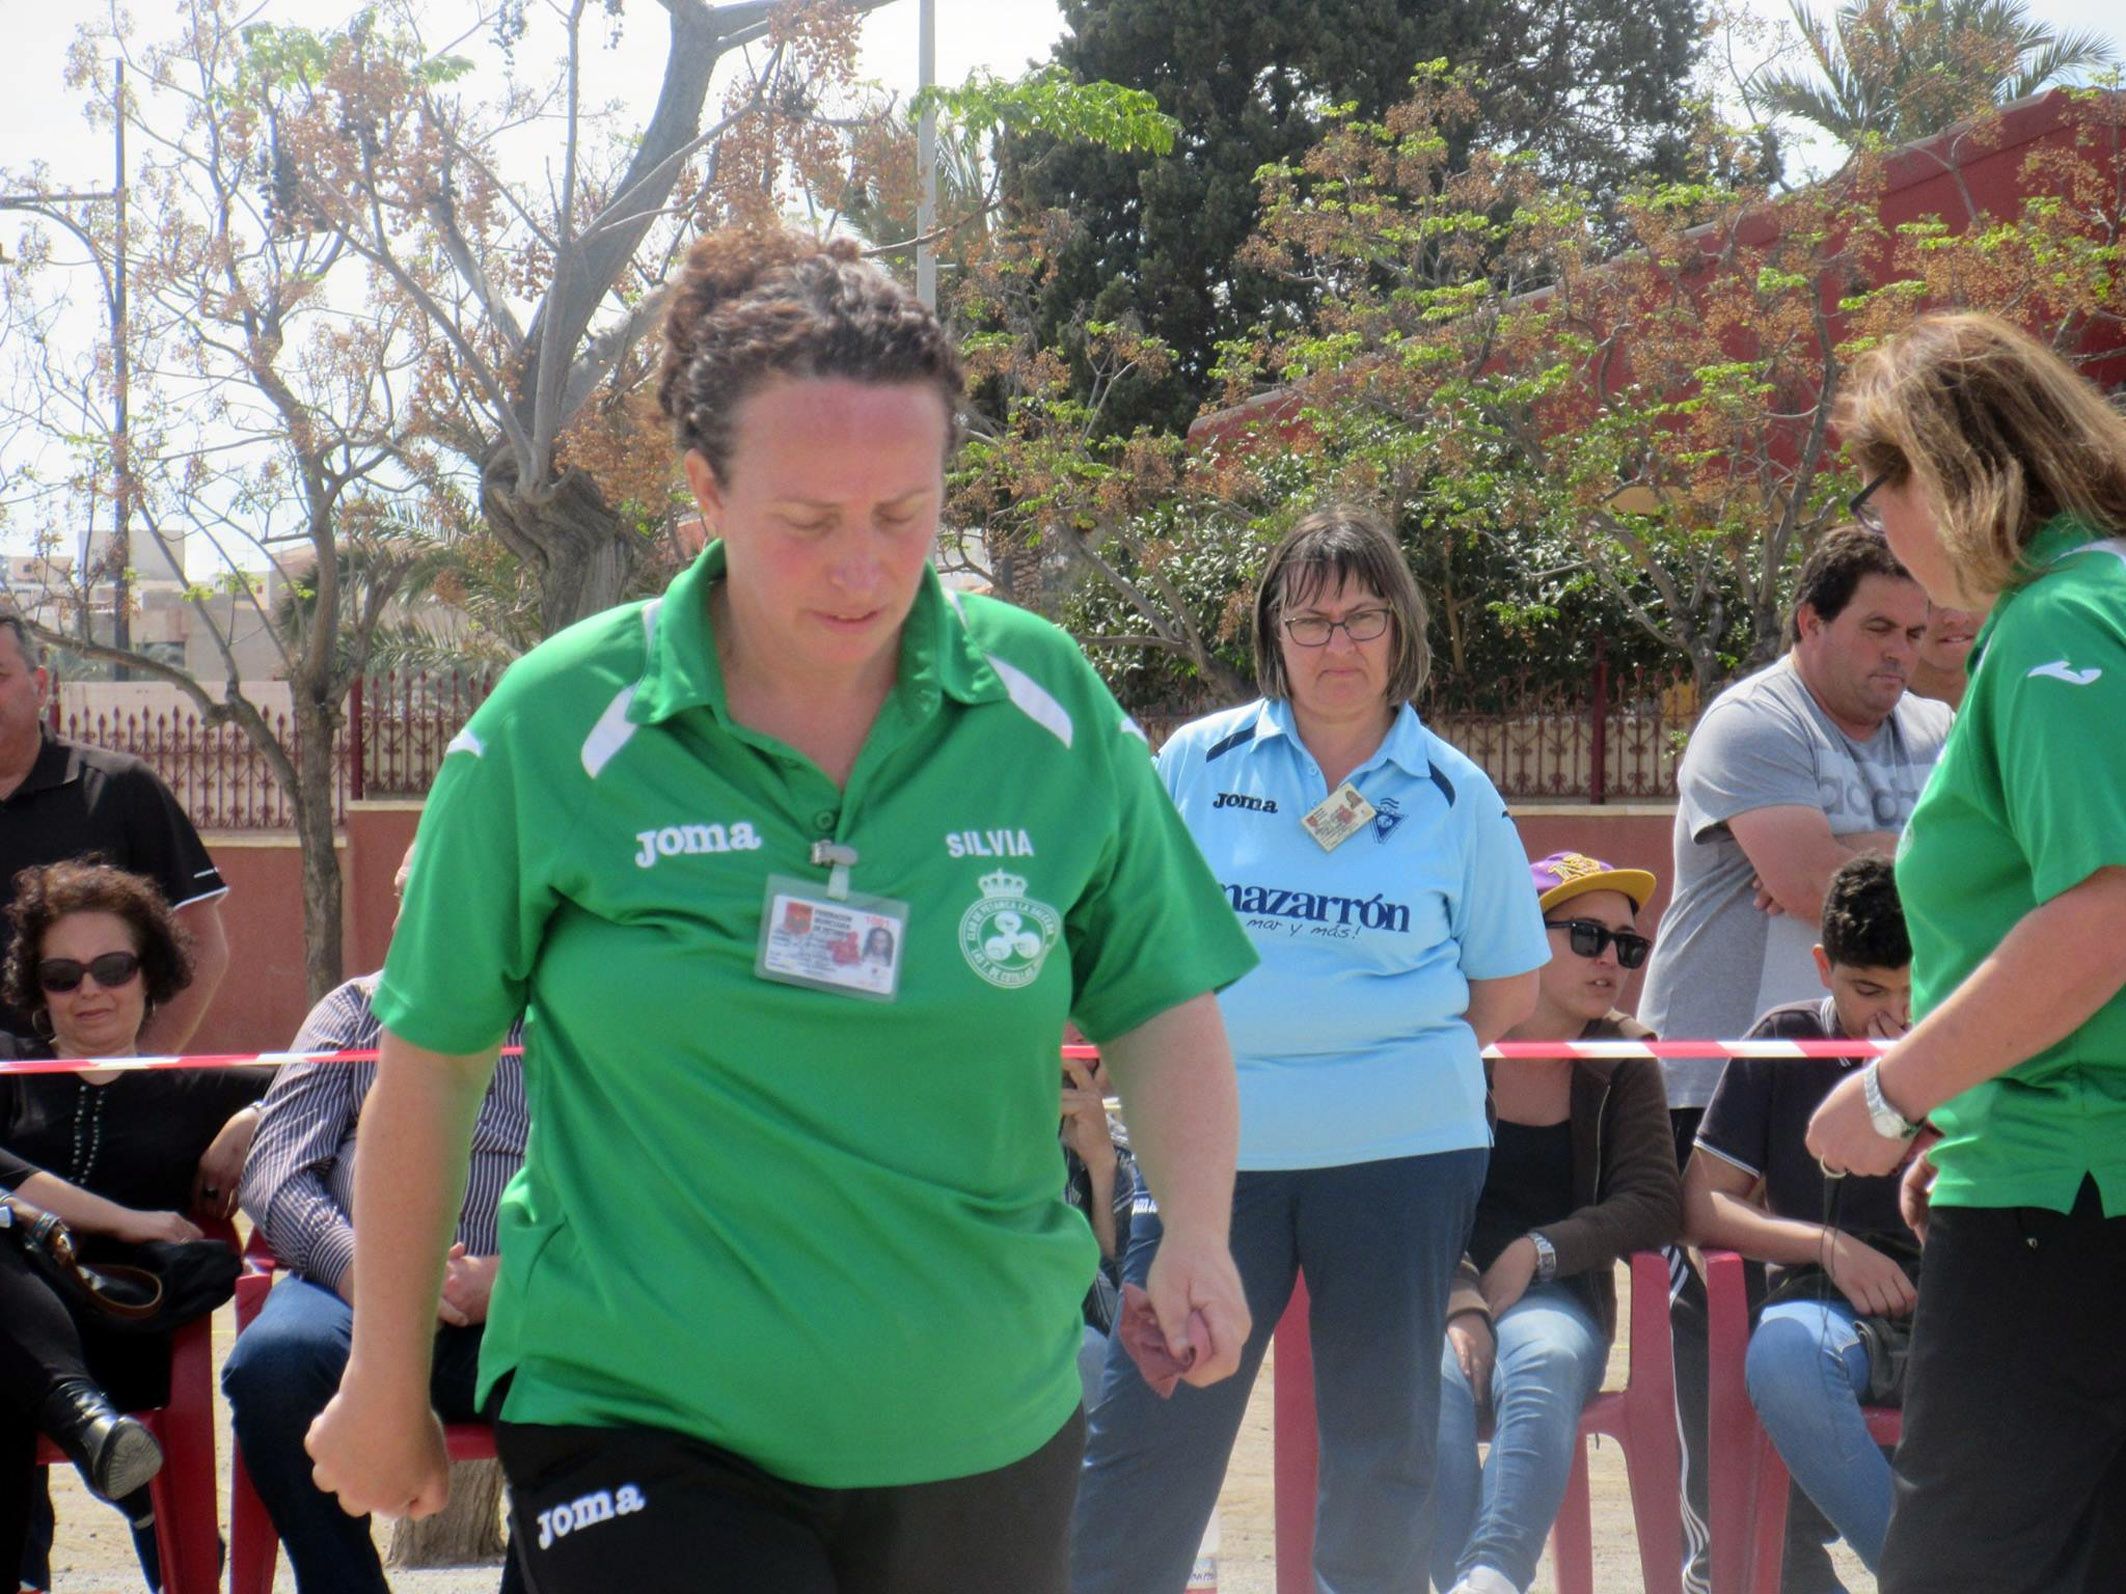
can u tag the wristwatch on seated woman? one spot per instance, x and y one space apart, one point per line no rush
1546 1258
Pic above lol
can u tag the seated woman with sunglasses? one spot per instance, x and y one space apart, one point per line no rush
1582 1171
113 1155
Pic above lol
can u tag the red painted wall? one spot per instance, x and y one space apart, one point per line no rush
262 1001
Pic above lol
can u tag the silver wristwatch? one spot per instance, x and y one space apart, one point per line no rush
1546 1258
1888 1121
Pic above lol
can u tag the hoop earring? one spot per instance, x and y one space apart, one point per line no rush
41 1024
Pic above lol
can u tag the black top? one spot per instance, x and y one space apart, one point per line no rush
1528 1184
77 800
136 1140
1759 1118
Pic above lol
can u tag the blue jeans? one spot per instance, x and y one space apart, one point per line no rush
1092 1363
1548 1361
1551 1354
1807 1372
1379 1242
283 1369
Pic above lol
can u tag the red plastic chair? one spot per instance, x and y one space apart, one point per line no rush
1747 1485
187 1526
1641 1417
254 1543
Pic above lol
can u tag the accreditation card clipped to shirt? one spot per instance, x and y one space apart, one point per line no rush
851 944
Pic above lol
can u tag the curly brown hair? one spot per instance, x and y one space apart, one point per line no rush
47 893
754 303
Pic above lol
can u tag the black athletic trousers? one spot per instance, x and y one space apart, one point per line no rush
682 1517
2011 1477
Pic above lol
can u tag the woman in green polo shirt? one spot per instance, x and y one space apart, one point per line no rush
797 873
1999 477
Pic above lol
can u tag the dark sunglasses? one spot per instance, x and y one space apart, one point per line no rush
1589 936
1865 515
60 975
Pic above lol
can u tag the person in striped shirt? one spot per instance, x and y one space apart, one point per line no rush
298 1187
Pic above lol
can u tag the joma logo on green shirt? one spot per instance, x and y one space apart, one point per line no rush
673 840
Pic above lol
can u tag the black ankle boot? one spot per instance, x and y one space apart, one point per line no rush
115 1453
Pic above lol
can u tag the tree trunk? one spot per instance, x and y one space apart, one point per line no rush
315 766
584 551
464 1533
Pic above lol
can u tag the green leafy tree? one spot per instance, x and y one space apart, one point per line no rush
535 291
1590 90
271 430
1575 440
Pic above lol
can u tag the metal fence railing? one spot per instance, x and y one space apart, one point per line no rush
1617 740
396 728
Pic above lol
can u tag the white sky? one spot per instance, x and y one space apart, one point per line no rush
39 118
42 120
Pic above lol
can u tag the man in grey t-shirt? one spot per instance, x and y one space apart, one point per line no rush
1790 772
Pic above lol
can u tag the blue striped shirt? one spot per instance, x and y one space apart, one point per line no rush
298 1182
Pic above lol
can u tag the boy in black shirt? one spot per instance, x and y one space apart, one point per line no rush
1838 1255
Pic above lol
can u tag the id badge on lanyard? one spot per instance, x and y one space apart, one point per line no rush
830 938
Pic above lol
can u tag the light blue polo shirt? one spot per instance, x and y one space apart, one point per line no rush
1349 1035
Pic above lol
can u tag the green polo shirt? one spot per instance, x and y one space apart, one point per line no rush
824 1233
2028 801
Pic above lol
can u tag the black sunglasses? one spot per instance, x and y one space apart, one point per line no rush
1868 519
1589 936
60 975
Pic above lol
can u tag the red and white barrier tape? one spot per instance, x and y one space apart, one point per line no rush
1507 1049
144 1065
1526 1049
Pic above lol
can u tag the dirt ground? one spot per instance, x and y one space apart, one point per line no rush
94 1555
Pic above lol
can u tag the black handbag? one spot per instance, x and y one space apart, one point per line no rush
166 1285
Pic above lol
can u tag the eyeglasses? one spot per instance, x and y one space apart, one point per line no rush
1589 936
1360 625
1865 517
57 976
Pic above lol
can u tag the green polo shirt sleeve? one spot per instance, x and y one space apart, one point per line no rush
2064 788
481 891
2028 802
1153 929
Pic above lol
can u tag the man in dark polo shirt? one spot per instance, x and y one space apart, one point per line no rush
60 799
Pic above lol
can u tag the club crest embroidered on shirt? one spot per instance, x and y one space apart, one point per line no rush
1387 814
1007 935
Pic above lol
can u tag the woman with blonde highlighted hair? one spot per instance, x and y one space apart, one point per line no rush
1998 475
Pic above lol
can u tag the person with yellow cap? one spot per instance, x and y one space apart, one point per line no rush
1581 1173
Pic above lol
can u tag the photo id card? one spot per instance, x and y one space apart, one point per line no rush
852 946
1340 814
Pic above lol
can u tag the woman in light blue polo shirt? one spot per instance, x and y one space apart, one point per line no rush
1385 888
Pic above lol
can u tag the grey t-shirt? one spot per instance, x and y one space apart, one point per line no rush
1719 961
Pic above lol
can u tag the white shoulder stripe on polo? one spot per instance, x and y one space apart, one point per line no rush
613 729
466 742
2115 546
1030 696
1033 700
1027 693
